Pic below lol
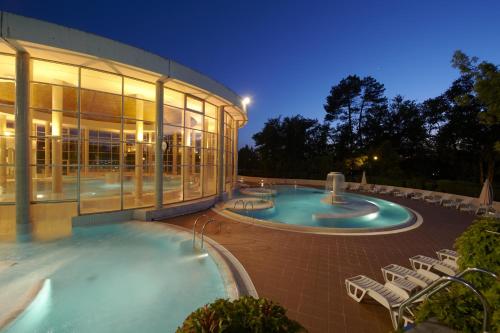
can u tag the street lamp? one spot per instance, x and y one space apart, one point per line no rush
246 101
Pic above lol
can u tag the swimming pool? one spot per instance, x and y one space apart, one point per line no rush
133 277
306 207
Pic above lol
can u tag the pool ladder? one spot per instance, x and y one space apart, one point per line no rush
237 202
246 204
209 219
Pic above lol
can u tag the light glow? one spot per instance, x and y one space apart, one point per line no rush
246 101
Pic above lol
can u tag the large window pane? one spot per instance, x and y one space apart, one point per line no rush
7 66
173 116
173 98
52 97
194 120
100 81
100 189
50 72
7 92
210 110
139 89
210 125
139 109
209 180
194 104
192 182
101 103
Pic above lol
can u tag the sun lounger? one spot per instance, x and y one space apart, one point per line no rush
419 277
387 190
467 206
485 210
446 254
433 199
355 187
451 202
420 195
446 266
377 189
401 193
389 295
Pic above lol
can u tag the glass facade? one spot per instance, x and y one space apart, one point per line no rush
190 154
93 137
7 128
229 151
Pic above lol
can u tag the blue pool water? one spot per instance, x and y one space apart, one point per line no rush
299 206
131 277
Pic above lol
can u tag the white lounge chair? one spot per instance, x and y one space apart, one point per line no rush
420 195
389 295
387 190
433 199
377 189
419 277
485 210
355 187
451 202
401 193
446 254
446 266
468 206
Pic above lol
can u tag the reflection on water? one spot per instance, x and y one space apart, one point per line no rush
134 277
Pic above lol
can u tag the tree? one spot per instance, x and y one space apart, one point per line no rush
349 101
484 96
249 160
486 78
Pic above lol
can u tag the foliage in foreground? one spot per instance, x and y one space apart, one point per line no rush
459 309
246 314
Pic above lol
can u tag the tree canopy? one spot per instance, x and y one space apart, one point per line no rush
452 137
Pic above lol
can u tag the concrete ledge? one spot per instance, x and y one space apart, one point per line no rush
183 208
102 218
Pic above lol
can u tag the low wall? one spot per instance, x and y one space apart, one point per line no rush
315 182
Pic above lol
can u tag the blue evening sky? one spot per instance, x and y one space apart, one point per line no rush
286 55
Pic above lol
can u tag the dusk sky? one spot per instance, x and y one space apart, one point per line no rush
286 55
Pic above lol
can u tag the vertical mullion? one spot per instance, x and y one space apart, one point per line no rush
184 148
78 176
121 145
202 158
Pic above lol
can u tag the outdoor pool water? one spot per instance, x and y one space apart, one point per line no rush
133 277
302 206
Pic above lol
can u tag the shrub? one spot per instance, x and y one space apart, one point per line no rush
244 315
458 308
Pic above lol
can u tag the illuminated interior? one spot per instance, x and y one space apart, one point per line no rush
93 136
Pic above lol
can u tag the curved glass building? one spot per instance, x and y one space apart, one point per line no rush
90 126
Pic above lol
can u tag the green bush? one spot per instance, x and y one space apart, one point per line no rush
246 314
458 308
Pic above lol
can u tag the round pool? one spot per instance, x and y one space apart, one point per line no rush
133 277
310 209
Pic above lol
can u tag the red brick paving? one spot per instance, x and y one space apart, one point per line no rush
306 272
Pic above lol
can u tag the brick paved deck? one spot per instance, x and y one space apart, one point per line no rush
306 272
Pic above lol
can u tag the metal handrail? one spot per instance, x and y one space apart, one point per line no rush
237 201
194 227
203 230
437 283
247 203
463 273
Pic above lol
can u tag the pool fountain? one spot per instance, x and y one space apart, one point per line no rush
335 186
